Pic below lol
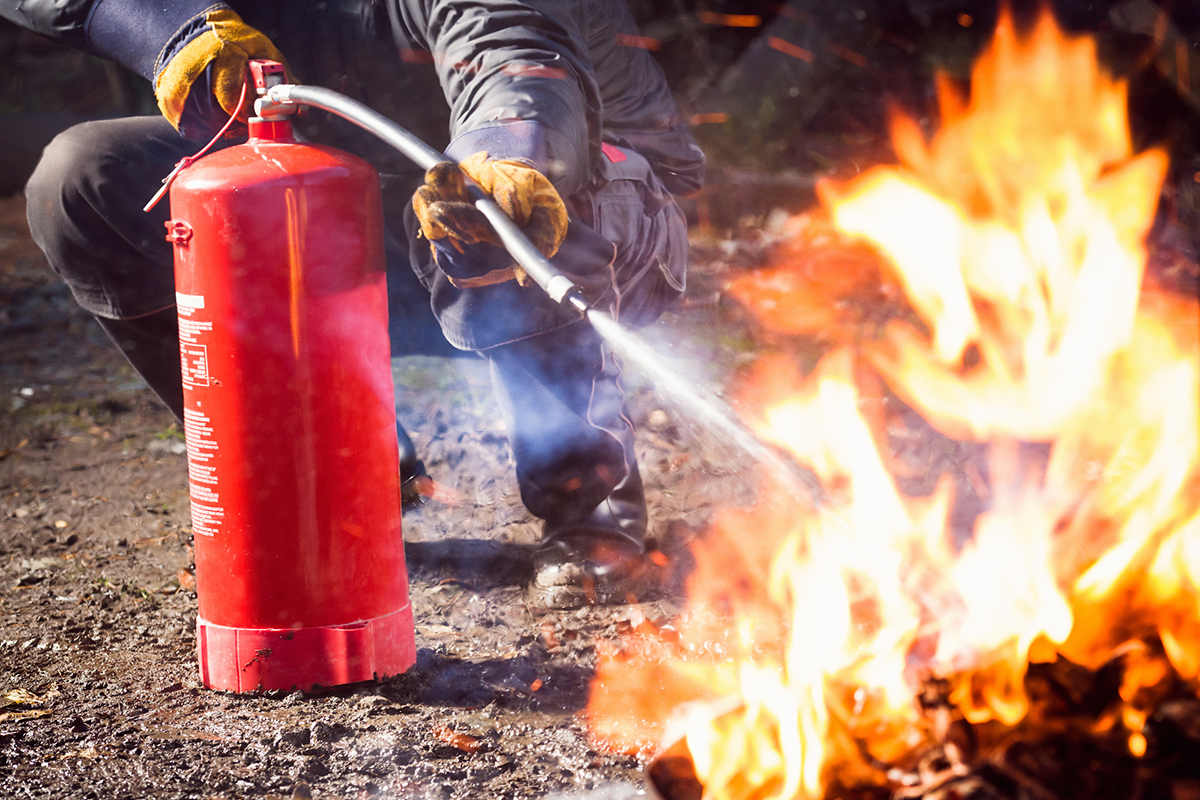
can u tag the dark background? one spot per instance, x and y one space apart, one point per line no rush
768 120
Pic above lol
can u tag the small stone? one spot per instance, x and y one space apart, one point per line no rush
315 769
293 738
324 733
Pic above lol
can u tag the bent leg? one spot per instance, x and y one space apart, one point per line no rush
563 404
572 441
85 211
151 345
84 204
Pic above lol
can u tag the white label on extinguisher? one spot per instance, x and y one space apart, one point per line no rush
194 364
193 355
189 300
207 513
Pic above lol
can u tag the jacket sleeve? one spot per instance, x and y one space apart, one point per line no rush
518 81
60 20
140 34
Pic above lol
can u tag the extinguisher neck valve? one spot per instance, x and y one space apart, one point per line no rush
266 108
274 129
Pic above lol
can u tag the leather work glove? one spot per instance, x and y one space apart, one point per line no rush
199 87
464 245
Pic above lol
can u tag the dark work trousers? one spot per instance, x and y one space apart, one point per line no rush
559 392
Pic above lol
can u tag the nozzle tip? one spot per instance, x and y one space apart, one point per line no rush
575 298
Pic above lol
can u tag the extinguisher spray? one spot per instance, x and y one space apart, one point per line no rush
289 414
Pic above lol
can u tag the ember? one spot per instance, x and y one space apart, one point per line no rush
991 293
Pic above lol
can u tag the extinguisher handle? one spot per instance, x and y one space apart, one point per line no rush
561 289
265 73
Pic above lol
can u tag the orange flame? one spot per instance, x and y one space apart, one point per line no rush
992 283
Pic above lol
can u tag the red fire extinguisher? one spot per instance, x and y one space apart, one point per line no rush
289 415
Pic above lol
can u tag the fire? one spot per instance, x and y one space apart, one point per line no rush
992 283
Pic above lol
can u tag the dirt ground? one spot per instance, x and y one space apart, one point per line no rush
99 688
101 691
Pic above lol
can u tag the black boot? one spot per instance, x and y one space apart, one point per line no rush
599 559
411 469
573 442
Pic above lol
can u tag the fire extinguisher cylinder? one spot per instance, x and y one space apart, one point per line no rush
289 416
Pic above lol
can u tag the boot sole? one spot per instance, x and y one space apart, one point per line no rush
566 597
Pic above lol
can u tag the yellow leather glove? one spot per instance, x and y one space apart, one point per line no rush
227 44
448 216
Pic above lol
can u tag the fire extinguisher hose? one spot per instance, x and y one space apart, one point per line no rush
560 288
282 99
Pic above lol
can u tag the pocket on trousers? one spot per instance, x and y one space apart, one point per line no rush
633 210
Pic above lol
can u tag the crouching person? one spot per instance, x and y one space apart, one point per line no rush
576 135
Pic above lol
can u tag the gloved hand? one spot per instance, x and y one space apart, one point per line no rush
199 86
463 242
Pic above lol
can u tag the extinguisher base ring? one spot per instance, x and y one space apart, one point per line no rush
265 659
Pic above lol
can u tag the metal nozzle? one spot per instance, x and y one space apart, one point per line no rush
576 301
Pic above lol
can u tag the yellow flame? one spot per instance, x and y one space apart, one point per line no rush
1016 235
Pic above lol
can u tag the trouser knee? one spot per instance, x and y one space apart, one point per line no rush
55 187
84 205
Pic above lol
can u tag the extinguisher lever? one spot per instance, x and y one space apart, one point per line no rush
264 75
561 289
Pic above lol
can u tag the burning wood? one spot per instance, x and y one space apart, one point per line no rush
871 646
